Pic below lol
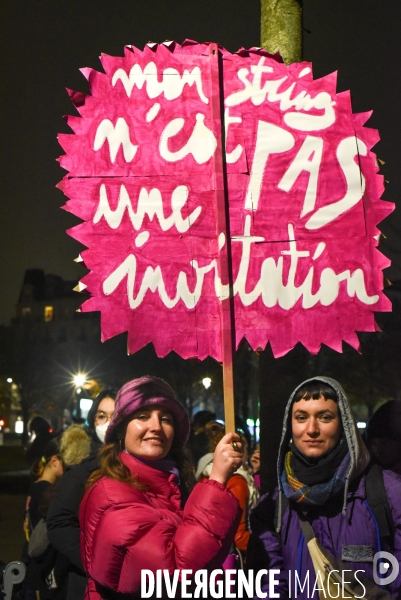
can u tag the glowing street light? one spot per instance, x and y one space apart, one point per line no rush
206 382
9 379
79 380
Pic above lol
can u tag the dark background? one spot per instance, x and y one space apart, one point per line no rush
45 42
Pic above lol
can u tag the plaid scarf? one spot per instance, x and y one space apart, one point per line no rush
314 495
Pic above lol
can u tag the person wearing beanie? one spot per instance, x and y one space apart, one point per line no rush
80 451
139 511
383 435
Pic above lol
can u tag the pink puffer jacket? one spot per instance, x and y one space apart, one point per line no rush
124 530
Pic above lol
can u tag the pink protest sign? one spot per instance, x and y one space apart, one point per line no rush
303 193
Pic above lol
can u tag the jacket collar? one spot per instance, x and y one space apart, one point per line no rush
158 482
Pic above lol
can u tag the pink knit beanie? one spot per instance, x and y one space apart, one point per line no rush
146 391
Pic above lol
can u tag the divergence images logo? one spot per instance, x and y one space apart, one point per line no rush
381 565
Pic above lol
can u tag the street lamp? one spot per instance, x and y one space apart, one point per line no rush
79 380
206 382
19 425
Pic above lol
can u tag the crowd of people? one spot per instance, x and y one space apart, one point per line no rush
140 487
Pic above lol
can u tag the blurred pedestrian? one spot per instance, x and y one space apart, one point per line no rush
133 515
82 455
39 580
41 433
255 465
383 435
198 441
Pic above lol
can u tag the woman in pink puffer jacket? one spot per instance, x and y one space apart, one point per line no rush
132 516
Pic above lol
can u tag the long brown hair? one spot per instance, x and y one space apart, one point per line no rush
113 467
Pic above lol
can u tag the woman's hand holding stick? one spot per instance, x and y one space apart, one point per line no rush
227 458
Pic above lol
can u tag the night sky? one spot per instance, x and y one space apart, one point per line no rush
45 42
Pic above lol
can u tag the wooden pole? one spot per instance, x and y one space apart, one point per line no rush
223 235
281 31
281 28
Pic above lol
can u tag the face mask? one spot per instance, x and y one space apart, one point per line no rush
101 431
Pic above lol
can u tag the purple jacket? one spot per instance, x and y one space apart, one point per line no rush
344 520
332 530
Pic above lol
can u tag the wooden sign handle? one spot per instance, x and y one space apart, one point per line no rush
223 235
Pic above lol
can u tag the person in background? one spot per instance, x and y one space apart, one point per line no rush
322 472
255 464
62 517
383 434
41 434
241 484
198 441
139 511
46 471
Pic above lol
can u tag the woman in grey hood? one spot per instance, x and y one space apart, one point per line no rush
322 472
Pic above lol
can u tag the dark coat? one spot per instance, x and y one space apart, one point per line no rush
63 523
40 567
62 518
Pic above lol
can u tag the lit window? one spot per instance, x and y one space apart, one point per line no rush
48 313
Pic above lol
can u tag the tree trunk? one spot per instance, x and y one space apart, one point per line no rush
281 31
281 28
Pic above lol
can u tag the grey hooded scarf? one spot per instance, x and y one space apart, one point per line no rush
359 454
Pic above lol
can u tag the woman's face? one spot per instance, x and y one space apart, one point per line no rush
150 433
105 411
316 426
